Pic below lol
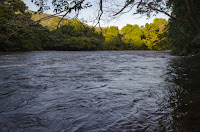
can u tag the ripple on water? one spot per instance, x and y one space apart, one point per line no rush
95 91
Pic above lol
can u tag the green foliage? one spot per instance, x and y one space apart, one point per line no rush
152 37
132 37
74 35
196 40
17 31
62 5
15 5
156 35
112 39
181 35
184 36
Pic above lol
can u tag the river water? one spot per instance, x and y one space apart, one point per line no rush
102 91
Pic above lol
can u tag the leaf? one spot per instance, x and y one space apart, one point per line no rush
197 39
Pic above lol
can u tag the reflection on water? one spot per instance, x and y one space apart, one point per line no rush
99 91
184 74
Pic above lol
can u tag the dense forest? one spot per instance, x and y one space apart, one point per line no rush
19 32
184 33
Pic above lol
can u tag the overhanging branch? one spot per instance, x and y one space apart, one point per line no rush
149 6
100 13
76 5
68 11
125 6
164 12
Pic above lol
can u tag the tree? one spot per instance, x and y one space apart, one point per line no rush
156 35
148 7
132 37
74 35
17 30
112 39
185 36
184 17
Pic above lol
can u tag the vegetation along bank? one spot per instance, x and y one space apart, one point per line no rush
19 31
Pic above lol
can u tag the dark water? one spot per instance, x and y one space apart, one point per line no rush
99 91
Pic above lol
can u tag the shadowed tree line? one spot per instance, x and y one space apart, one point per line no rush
184 36
19 33
184 25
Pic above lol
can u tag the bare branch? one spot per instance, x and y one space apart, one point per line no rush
70 10
161 11
54 15
100 13
149 6
139 3
127 4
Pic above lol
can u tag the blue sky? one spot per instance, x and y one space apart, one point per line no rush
88 15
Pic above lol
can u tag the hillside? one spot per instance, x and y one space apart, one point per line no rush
46 23
37 16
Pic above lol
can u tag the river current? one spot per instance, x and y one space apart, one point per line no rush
99 91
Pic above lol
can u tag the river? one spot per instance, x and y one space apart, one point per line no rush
99 91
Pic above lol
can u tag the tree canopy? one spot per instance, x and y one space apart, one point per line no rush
17 31
147 7
181 34
184 17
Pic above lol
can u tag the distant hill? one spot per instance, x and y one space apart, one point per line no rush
37 16
46 23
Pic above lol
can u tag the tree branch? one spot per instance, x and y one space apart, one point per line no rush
54 15
100 13
70 10
161 11
127 4
139 3
155 9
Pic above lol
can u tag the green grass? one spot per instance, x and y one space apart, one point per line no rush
37 16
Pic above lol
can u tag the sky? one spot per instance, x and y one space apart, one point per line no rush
88 15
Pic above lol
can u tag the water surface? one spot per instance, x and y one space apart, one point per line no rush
50 91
